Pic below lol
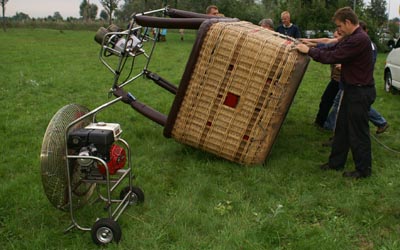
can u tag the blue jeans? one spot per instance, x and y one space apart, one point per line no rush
331 119
374 116
326 102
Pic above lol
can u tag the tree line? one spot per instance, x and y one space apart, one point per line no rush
87 12
307 14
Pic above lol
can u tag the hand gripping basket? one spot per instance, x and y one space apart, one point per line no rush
236 90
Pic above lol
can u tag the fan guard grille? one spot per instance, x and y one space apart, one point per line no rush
53 160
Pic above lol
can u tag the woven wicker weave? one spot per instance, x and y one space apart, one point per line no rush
239 93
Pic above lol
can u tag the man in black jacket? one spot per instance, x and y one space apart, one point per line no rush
288 28
354 53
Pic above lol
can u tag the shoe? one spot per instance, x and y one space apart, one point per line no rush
355 175
327 167
382 129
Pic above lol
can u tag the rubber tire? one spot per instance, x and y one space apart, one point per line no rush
106 230
391 44
388 82
138 195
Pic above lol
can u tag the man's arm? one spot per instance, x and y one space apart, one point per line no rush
302 48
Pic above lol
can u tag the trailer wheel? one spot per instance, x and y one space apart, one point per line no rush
136 197
106 230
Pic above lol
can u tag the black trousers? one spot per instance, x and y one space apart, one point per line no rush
326 102
352 129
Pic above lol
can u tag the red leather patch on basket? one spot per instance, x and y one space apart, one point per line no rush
288 42
231 100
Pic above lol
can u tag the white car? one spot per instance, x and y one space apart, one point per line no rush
392 69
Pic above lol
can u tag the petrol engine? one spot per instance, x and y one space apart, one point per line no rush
97 140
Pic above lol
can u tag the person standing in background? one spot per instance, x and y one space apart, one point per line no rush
182 33
374 116
328 97
287 28
212 10
267 23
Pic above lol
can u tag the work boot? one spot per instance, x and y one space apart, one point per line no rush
355 174
382 129
326 166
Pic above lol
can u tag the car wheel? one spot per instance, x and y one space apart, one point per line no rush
388 82
391 44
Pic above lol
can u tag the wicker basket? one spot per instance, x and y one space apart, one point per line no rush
236 92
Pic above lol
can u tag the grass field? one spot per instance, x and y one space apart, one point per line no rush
194 200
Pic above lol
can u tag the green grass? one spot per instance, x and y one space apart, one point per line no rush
194 200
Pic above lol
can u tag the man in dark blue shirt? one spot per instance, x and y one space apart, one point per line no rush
354 53
287 28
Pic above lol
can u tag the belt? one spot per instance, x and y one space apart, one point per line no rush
365 86
361 85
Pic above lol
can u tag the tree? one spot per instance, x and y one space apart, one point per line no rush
129 7
57 16
110 6
377 10
21 16
104 15
3 6
84 10
245 10
93 11
394 27
88 11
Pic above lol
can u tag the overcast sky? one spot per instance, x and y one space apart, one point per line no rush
44 8
67 8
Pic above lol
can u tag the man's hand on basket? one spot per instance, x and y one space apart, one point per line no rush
302 48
